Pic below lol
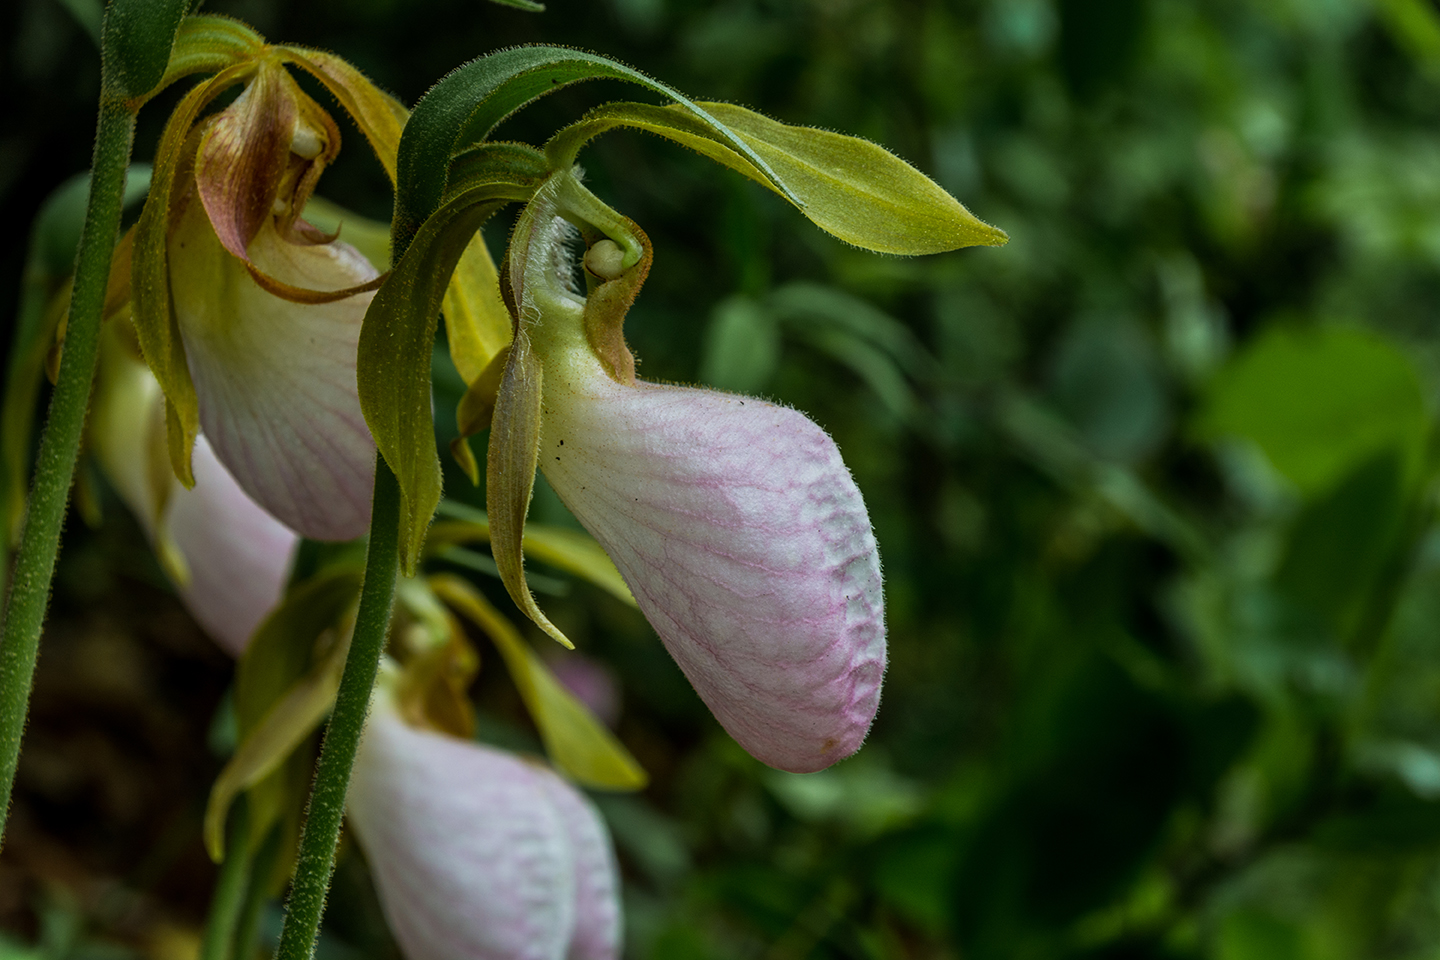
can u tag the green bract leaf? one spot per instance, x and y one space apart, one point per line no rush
283 728
466 105
280 651
1320 401
577 742
848 187
206 44
135 44
280 697
530 6
573 551
396 341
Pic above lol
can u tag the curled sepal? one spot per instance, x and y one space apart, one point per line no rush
478 854
577 742
206 44
155 322
746 544
851 188
380 117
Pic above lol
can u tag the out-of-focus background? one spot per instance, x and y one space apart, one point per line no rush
1151 485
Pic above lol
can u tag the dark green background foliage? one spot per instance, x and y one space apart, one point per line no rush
1152 483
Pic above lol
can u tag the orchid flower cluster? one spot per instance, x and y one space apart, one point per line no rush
252 365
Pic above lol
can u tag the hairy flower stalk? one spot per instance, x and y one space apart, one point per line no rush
478 854
734 521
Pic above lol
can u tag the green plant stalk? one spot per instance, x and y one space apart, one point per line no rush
24 615
247 926
230 888
326 809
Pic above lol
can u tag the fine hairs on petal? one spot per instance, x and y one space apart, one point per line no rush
745 542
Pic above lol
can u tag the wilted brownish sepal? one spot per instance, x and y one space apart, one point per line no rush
608 303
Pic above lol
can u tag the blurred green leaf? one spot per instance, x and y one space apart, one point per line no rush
742 347
1319 401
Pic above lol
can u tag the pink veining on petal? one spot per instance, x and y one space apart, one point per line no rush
275 379
476 854
747 545
597 897
238 555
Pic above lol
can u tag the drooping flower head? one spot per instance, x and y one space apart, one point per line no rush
734 521
478 854
248 315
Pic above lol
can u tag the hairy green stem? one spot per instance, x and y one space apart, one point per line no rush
230 888
316 859
60 445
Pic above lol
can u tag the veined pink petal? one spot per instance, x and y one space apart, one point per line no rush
476 854
238 555
746 543
276 379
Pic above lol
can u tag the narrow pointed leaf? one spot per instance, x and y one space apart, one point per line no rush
396 344
573 551
510 476
283 728
578 743
135 43
848 187
464 107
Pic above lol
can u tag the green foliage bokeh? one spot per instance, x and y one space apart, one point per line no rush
1152 483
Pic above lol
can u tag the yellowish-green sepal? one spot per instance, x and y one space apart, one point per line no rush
153 313
280 697
477 324
851 188
577 742
573 551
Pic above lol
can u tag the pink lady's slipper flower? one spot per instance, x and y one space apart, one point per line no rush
228 558
477 854
734 521
248 315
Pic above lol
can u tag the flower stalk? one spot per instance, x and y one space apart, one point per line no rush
29 594
321 833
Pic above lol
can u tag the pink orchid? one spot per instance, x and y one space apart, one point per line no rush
733 520
478 854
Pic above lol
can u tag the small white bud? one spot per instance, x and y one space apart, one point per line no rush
306 142
605 259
